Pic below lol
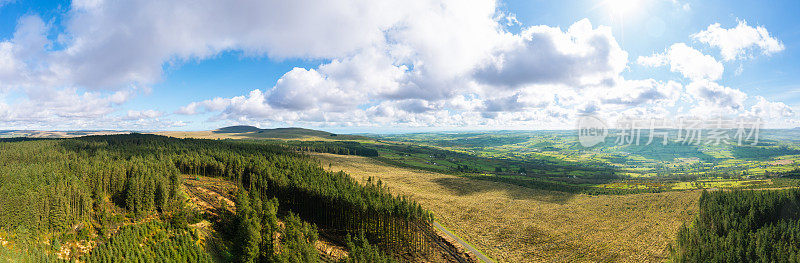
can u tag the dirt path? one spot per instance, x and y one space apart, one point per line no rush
463 243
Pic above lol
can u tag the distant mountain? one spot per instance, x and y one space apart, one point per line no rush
237 129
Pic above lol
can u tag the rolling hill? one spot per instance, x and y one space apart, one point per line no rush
251 132
230 132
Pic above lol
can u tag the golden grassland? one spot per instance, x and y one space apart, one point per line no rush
201 135
515 224
206 135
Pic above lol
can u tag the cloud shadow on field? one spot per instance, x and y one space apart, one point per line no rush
462 186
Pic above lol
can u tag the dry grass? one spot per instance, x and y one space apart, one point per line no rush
245 135
201 135
515 224
208 194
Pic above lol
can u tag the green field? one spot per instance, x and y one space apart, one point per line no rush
555 157
554 160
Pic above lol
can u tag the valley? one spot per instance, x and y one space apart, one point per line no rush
517 224
502 199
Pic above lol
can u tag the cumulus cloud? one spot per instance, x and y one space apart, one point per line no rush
145 119
770 110
47 106
542 55
24 58
686 60
112 42
215 104
439 63
398 50
340 85
145 114
714 98
735 43
8 63
649 91
418 71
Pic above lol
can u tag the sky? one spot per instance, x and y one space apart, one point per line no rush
394 66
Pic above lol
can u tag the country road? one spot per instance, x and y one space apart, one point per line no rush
463 243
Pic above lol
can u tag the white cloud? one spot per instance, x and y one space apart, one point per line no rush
215 104
422 71
145 114
715 99
542 55
47 106
655 60
378 49
24 58
686 60
340 85
145 119
511 20
770 110
684 6
190 109
8 62
734 43
439 63
113 42
638 92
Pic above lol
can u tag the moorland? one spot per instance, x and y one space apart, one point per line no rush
297 195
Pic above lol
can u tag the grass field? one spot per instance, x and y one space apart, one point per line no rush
516 224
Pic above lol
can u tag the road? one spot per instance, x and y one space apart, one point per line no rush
463 243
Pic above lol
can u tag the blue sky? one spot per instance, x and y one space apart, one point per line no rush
362 66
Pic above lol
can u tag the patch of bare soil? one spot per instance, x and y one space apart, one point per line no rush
74 250
330 251
781 162
210 195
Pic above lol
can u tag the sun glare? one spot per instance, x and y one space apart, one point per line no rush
622 8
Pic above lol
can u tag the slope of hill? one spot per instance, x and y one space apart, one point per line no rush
250 132
511 223
237 129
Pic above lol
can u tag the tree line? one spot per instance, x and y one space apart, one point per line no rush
334 147
61 186
149 242
332 200
742 226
